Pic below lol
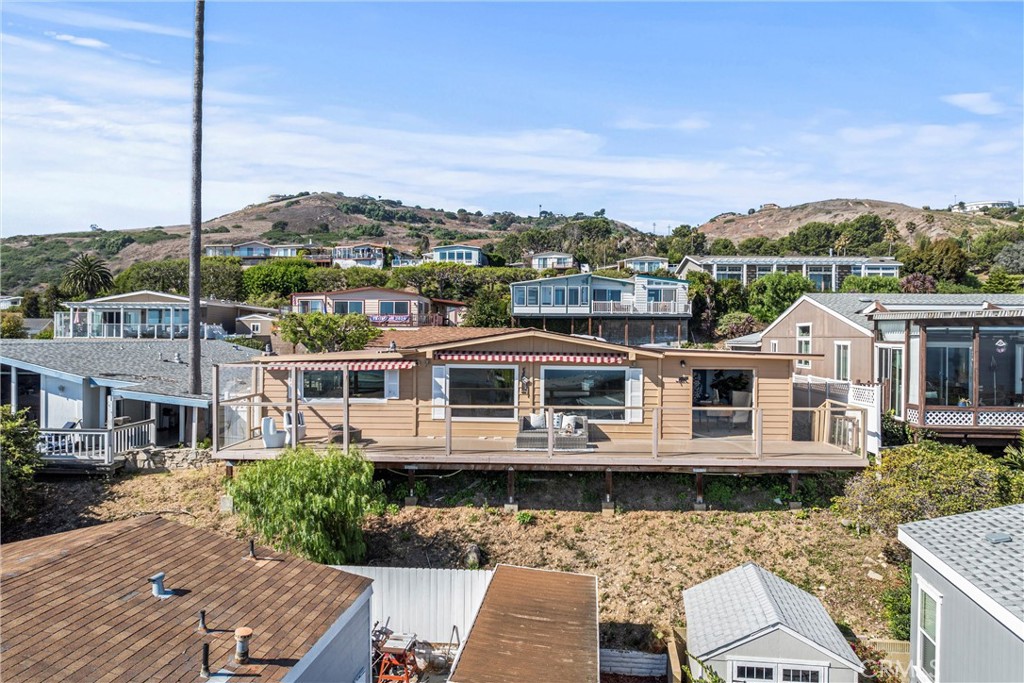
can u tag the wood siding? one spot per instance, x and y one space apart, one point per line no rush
826 330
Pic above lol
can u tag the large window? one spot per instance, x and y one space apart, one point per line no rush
821 276
589 387
729 273
494 389
346 307
803 344
394 308
1001 366
327 385
927 651
949 366
311 306
519 296
890 367
755 672
842 369
607 295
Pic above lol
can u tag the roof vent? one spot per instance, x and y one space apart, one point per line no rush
177 357
392 346
998 537
158 586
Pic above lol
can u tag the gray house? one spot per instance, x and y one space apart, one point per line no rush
967 600
749 625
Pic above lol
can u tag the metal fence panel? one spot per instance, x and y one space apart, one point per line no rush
427 602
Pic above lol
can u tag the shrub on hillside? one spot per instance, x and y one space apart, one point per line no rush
307 503
926 480
18 439
736 324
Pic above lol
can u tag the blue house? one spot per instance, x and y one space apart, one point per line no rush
459 253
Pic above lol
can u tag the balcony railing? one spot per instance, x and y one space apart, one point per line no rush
95 446
65 328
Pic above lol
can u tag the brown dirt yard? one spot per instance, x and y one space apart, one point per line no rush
644 555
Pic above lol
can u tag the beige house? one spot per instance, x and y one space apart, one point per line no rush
384 307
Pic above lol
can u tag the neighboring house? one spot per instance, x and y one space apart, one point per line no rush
384 307
36 326
827 272
533 625
364 255
106 388
641 310
975 207
551 260
400 259
750 626
642 264
8 302
499 398
306 622
459 253
254 252
148 315
967 596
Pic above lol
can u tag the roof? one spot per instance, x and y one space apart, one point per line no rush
77 605
990 573
852 306
750 601
747 340
533 625
989 314
34 326
427 336
387 290
461 245
164 297
133 366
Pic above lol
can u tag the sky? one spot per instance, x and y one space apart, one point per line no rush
660 113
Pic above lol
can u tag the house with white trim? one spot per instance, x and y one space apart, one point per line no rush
750 626
643 264
967 596
387 308
827 272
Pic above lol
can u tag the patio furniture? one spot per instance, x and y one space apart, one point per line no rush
571 434
300 428
355 434
741 399
271 437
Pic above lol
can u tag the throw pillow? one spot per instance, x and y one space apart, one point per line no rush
538 421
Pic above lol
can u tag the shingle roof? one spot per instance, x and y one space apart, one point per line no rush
425 336
850 306
147 364
750 600
959 541
533 625
77 606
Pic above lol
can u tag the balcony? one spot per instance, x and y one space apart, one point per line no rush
64 327
94 448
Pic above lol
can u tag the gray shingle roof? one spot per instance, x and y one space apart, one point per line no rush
996 569
751 600
147 365
850 305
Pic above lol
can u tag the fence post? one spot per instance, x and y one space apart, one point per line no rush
108 448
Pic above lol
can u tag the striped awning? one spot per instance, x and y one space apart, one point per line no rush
353 365
503 357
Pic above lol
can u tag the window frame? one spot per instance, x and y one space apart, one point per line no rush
255 327
773 346
800 339
776 666
926 588
479 366
301 381
393 302
845 345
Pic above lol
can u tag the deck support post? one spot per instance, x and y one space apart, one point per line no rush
14 389
156 423
195 428
346 435
448 430
655 428
794 485
293 430
410 500
214 417
551 430
182 418
700 505
511 505
608 504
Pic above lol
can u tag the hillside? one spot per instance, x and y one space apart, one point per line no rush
776 222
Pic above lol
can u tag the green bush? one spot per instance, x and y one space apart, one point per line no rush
245 341
896 606
18 439
307 503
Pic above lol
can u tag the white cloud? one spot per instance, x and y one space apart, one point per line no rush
685 124
981 103
77 40
93 20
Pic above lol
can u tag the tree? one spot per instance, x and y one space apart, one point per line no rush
1000 282
737 324
279 277
871 284
196 228
30 304
52 300
86 275
927 480
730 296
325 333
1011 257
490 308
19 437
918 283
771 295
12 325
842 244
309 503
892 233
723 246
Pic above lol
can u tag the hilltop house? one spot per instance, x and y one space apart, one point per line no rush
458 253
148 315
827 272
551 260
364 255
643 264
143 597
748 626
9 302
384 307
640 310
967 596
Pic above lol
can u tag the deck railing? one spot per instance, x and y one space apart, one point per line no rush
97 446
66 328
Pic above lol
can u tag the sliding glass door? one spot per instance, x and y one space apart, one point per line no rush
890 365
949 366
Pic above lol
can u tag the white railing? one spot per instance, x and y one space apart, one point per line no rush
97 446
65 328
130 437
652 307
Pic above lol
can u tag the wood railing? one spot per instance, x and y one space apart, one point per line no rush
98 446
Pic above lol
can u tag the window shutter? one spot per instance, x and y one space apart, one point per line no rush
439 388
635 394
391 384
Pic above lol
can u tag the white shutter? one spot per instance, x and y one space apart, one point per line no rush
391 384
635 394
439 389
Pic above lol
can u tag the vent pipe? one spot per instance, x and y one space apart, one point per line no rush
242 636
202 622
204 670
158 586
252 549
177 357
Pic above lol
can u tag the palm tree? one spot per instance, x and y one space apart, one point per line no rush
842 244
892 233
87 275
195 234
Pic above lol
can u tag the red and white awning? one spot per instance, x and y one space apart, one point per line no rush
353 366
502 357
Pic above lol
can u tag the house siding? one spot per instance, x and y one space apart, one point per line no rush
826 330
973 646
780 647
346 656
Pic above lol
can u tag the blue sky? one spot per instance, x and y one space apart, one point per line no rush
660 113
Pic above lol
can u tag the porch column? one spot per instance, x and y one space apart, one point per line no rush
835 285
170 312
110 410
121 335
744 274
293 378
714 271
195 427
922 357
344 408
156 423
216 407
182 414
976 389
805 270
14 389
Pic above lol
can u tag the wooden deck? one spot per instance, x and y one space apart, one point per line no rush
710 455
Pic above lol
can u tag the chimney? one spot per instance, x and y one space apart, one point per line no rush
158 586
242 636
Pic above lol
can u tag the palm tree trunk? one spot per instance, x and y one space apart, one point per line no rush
195 234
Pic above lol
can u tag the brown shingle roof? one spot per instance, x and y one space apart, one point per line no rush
77 606
425 336
533 625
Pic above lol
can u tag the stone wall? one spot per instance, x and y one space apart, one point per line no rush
169 458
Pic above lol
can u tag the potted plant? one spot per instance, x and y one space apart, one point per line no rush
964 402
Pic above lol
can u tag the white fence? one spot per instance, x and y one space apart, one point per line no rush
96 446
811 391
427 602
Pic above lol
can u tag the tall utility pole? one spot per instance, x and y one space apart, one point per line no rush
196 234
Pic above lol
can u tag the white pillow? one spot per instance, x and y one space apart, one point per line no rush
538 421
556 420
569 423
